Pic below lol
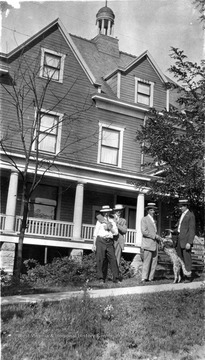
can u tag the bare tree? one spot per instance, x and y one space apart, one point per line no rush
25 93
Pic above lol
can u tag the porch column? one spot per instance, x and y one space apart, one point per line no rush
139 216
137 261
77 219
11 202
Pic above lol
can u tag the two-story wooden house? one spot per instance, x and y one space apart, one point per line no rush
96 99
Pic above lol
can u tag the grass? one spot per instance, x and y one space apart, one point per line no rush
40 287
158 326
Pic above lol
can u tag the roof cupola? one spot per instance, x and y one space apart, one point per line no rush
105 21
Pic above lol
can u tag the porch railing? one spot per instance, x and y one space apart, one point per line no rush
87 231
60 229
130 237
44 227
87 234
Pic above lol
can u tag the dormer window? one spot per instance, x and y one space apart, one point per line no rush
144 92
52 65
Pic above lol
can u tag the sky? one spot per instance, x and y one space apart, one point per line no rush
154 25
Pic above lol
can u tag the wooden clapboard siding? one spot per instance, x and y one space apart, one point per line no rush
144 71
112 82
81 134
131 148
78 98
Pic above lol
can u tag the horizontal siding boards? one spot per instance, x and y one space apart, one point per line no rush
83 132
146 72
131 148
74 92
112 82
82 124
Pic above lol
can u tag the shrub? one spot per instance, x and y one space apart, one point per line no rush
61 271
126 269
64 271
5 277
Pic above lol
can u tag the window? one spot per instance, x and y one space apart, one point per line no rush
52 65
110 145
43 202
49 135
144 91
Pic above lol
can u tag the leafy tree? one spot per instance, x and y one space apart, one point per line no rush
23 95
200 5
174 139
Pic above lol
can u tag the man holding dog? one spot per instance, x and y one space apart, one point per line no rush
185 229
103 244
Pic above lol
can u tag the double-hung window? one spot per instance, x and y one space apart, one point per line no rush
52 65
48 132
110 145
144 92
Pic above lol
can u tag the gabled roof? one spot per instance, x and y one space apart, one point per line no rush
135 62
33 39
98 65
100 62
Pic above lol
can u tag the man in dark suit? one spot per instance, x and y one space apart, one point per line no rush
149 243
185 229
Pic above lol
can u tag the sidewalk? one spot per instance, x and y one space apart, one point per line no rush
101 292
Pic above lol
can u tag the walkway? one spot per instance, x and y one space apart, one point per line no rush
101 292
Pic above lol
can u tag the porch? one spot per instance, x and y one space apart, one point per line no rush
47 232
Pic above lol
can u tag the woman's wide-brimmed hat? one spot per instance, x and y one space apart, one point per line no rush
151 206
105 208
118 207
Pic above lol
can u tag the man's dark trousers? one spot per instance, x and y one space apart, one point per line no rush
105 252
185 255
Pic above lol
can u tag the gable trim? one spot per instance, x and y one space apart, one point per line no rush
135 62
69 41
78 56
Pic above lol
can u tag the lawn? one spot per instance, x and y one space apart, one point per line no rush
64 274
154 326
158 326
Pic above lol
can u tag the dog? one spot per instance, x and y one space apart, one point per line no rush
178 264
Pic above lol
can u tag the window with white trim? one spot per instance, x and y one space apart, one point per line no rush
144 92
49 134
52 65
110 145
